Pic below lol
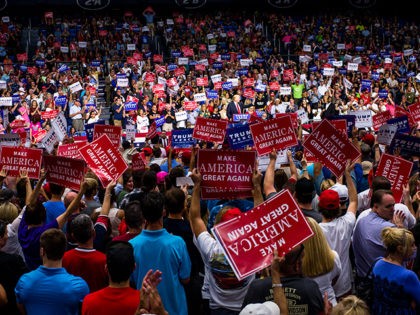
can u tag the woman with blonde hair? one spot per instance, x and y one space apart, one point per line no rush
320 262
396 290
351 305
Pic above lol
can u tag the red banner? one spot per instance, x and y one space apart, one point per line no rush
380 119
104 159
415 111
211 130
202 81
38 135
50 114
15 159
339 124
113 133
250 239
71 150
277 133
331 147
190 105
226 174
152 131
64 171
137 162
397 170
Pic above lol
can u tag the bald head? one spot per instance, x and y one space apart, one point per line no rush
70 196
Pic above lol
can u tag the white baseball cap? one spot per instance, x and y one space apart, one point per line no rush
266 308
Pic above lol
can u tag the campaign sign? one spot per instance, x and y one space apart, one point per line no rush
407 144
38 135
380 119
363 118
308 155
64 171
137 163
386 133
397 170
104 159
71 150
401 123
350 119
211 130
89 129
152 132
49 114
250 239
331 147
190 105
226 174
113 133
339 124
399 112
10 140
415 111
277 133
182 138
293 116
239 137
15 159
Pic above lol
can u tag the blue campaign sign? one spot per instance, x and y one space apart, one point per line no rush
240 117
40 63
182 138
401 122
375 76
407 144
217 65
227 86
63 68
95 63
172 67
225 56
242 72
212 94
160 121
176 54
239 136
60 100
383 93
130 106
89 129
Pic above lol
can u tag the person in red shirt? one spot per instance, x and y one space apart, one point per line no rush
118 298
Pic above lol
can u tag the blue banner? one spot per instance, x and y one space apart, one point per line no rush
23 68
172 67
412 58
373 56
401 122
227 86
176 54
160 121
60 100
182 138
63 68
342 71
240 117
148 54
313 68
383 94
407 144
243 72
15 98
212 94
40 63
130 106
239 136
89 129
259 60
366 84
95 63
375 76
359 48
217 65
225 56
397 58
192 62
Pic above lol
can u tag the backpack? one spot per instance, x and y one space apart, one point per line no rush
364 285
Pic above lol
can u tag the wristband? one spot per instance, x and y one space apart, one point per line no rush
277 285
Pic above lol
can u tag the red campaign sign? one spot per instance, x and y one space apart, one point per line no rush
152 132
331 147
22 57
254 119
39 135
202 81
249 82
288 75
415 111
249 93
397 170
50 114
308 155
211 130
157 58
217 85
293 116
104 159
179 71
15 159
190 105
274 86
171 82
200 67
64 171
226 174
80 138
103 32
17 124
339 124
187 51
160 94
131 98
158 87
149 77
48 15
32 70
214 56
137 162
277 133
113 133
92 90
274 73
250 239
159 68
131 61
71 150
380 119
138 56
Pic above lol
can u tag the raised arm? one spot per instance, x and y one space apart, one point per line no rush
73 206
351 187
197 224
269 174
278 291
292 165
34 195
256 187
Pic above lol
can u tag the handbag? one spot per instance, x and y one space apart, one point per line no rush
364 285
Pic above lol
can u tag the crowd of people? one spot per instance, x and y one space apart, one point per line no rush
143 244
